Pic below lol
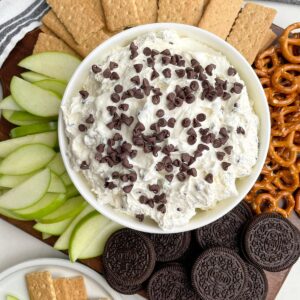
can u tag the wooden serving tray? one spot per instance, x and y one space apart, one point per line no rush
9 69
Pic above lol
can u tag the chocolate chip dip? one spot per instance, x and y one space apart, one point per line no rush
161 127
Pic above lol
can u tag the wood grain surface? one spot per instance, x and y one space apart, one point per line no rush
9 69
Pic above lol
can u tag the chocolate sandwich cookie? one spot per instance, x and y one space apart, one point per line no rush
218 274
129 257
170 247
121 287
271 242
225 232
257 284
170 282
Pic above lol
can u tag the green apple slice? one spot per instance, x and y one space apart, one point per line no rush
21 118
56 86
11 181
34 99
66 179
10 214
71 208
10 297
56 185
47 138
56 65
54 228
96 246
28 192
71 191
10 103
63 242
33 77
85 232
46 236
33 129
26 159
49 203
56 165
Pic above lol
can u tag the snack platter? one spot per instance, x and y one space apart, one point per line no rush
275 280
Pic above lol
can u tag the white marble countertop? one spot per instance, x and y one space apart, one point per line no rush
17 246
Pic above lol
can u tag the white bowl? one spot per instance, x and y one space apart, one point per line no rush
255 91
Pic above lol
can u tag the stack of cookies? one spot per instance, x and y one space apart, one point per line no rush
77 27
223 260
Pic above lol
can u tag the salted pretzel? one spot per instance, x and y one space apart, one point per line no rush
287 179
297 202
267 61
288 43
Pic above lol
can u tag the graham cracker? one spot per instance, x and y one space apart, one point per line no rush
61 289
76 288
268 40
47 42
180 11
80 17
46 30
40 286
52 22
219 16
147 11
250 29
121 13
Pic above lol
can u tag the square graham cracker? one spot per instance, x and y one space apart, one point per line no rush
219 16
40 286
121 13
147 11
250 29
76 288
80 18
48 42
268 40
180 11
60 287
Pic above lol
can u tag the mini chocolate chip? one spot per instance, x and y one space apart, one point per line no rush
185 157
201 117
136 80
98 156
132 177
181 176
226 96
133 154
237 88
133 55
228 149
171 122
204 131
166 60
96 69
90 119
114 76
118 88
155 99
194 85
202 76
147 51
235 105
159 166
138 94
186 122
82 127
84 165
84 94
111 185
138 67
209 178
117 137
154 74
140 217
190 98
155 150
166 52
171 97
191 74
169 177
231 71
113 65
154 188
194 62
209 69
162 122
150 202
225 165
133 47
154 52
220 155
240 130
156 91
106 73
126 164
191 131
100 148
127 189
202 147
181 63
217 143
180 73
169 168
123 107
143 199
128 120
161 208
167 73
223 131
196 123
191 139
192 172
176 163
124 178
150 62
115 97
178 102
115 175
160 113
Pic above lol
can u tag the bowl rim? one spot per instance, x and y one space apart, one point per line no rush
118 39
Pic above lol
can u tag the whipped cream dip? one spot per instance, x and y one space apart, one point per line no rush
161 127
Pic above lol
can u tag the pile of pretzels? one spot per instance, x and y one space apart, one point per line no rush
277 188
